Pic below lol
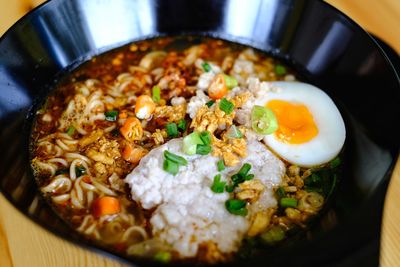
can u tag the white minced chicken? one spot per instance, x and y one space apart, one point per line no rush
187 213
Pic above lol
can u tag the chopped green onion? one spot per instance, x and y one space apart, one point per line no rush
220 165
111 115
171 167
234 132
210 103
79 171
175 158
237 179
182 124
70 130
205 136
280 70
190 143
163 256
156 92
244 170
280 192
273 235
172 129
206 66
335 162
313 179
226 106
249 177
236 207
203 149
288 202
229 188
218 186
263 120
230 81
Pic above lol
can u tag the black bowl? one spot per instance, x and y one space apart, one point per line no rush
322 44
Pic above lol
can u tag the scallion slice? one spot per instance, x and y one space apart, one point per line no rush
280 70
220 165
111 115
172 129
226 106
249 177
210 103
182 125
205 136
218 186
156 93
234 132
190 143
244 170
175 158
230 81
236 207
206 66
263 120
286 202
171 167
229 188
203 149
70 130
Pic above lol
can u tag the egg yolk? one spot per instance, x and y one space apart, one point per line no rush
296 123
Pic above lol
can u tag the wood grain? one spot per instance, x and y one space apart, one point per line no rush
23 243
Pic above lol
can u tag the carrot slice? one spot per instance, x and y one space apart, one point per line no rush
132 129
217 88
144 107
133 154
105 205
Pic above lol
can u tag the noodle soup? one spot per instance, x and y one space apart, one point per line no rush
181 148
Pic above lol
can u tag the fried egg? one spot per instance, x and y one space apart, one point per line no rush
311 129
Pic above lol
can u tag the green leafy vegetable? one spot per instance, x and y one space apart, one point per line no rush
172 129
335 162
226 106
236 207
111 115
218 186
263 120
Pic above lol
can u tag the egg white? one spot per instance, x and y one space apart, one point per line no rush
331 136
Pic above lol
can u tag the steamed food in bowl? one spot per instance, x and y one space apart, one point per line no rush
185 149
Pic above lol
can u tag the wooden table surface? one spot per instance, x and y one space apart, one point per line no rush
23 243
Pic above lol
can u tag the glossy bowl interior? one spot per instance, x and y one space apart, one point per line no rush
323 45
